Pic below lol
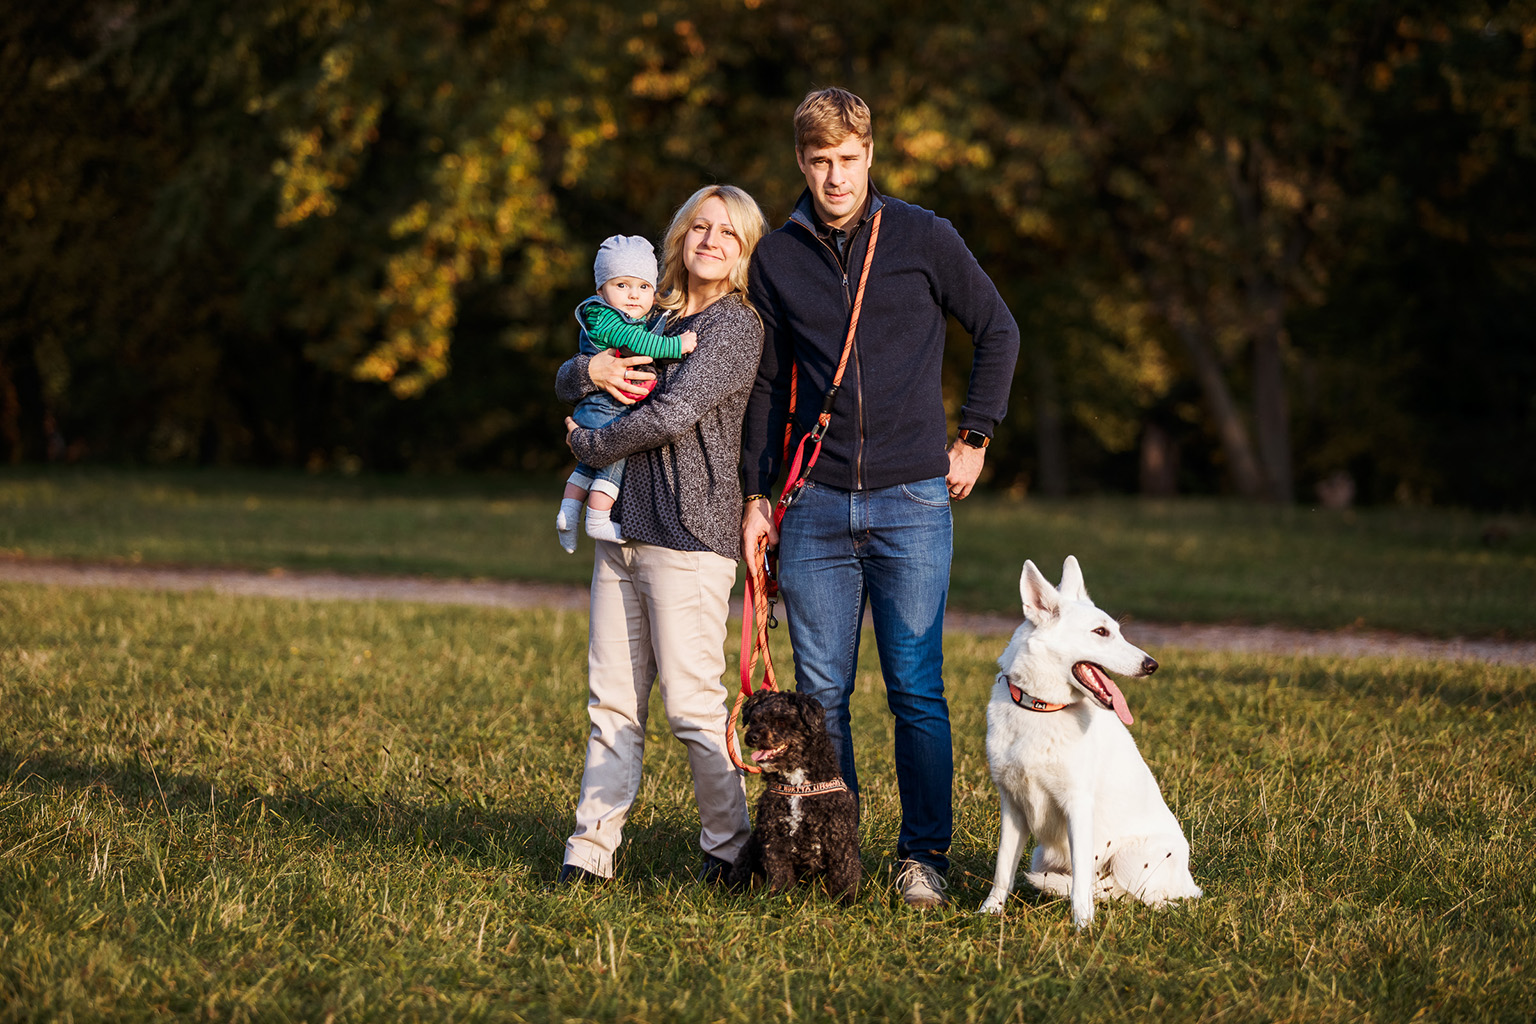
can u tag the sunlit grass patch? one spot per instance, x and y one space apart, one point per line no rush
235 808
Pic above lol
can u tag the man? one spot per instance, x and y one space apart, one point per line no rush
873 525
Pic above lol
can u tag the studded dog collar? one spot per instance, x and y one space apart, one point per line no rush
807 789
1029 703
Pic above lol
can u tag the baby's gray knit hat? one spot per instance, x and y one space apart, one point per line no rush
625 256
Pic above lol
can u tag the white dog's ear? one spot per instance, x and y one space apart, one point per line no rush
1072 588
1040 598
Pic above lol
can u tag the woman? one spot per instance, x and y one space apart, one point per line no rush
659 598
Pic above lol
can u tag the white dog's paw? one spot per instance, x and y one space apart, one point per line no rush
993 904
1081 918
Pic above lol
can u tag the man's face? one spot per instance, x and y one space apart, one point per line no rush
838 177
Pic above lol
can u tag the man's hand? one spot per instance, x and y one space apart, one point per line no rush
616 375
757 527
965 465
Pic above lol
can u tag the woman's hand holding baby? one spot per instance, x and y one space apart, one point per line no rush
623 377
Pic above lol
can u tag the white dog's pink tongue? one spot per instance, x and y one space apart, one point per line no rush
1096 678
1117 700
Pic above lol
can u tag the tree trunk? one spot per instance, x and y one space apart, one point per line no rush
23 407
10 416
1266 307
1230 428
1159 462
1271 412
1050 444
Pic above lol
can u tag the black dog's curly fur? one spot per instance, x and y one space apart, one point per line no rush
802 836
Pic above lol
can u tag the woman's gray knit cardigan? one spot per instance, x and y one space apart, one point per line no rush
684 441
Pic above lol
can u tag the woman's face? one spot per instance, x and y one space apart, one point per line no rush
711 248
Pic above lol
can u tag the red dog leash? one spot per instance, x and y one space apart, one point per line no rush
797 478
761 588
755 608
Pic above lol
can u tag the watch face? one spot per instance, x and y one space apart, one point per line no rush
974 439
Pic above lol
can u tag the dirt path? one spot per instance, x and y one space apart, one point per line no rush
502 594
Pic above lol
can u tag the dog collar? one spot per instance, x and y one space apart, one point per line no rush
1034 703
807 789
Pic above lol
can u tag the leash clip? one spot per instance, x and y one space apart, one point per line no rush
791 496
771 583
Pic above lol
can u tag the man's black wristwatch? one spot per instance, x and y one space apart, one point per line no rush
975 439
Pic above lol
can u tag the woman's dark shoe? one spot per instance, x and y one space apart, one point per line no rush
714 871
570 874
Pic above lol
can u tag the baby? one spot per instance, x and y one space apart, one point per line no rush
625 275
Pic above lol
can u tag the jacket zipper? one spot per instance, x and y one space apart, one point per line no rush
858 373
858 377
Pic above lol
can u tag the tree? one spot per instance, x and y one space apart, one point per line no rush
1280 239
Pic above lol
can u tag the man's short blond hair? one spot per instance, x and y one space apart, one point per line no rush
828 116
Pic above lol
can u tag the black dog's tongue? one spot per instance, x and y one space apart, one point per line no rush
1104 688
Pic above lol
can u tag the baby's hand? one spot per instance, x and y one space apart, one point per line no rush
690 341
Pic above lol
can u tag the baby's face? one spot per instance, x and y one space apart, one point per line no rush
629 295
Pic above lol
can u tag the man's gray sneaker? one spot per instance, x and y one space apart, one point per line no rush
921 884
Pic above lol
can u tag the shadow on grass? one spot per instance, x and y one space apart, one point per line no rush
526 838
530 833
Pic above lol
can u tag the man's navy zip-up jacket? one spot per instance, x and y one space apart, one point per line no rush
888 417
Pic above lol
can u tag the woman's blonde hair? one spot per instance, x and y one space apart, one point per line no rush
745 216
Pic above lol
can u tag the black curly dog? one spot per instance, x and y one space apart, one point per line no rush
807 822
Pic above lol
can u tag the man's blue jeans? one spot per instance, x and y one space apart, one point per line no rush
890 548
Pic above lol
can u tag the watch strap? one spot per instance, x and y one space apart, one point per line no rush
975 438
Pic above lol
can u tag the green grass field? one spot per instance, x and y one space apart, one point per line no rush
239 809
1416 570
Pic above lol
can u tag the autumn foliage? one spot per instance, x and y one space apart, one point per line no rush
1254 247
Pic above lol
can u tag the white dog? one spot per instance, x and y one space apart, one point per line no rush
1065 765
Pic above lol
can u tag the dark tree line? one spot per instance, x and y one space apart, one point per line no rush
1255 248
